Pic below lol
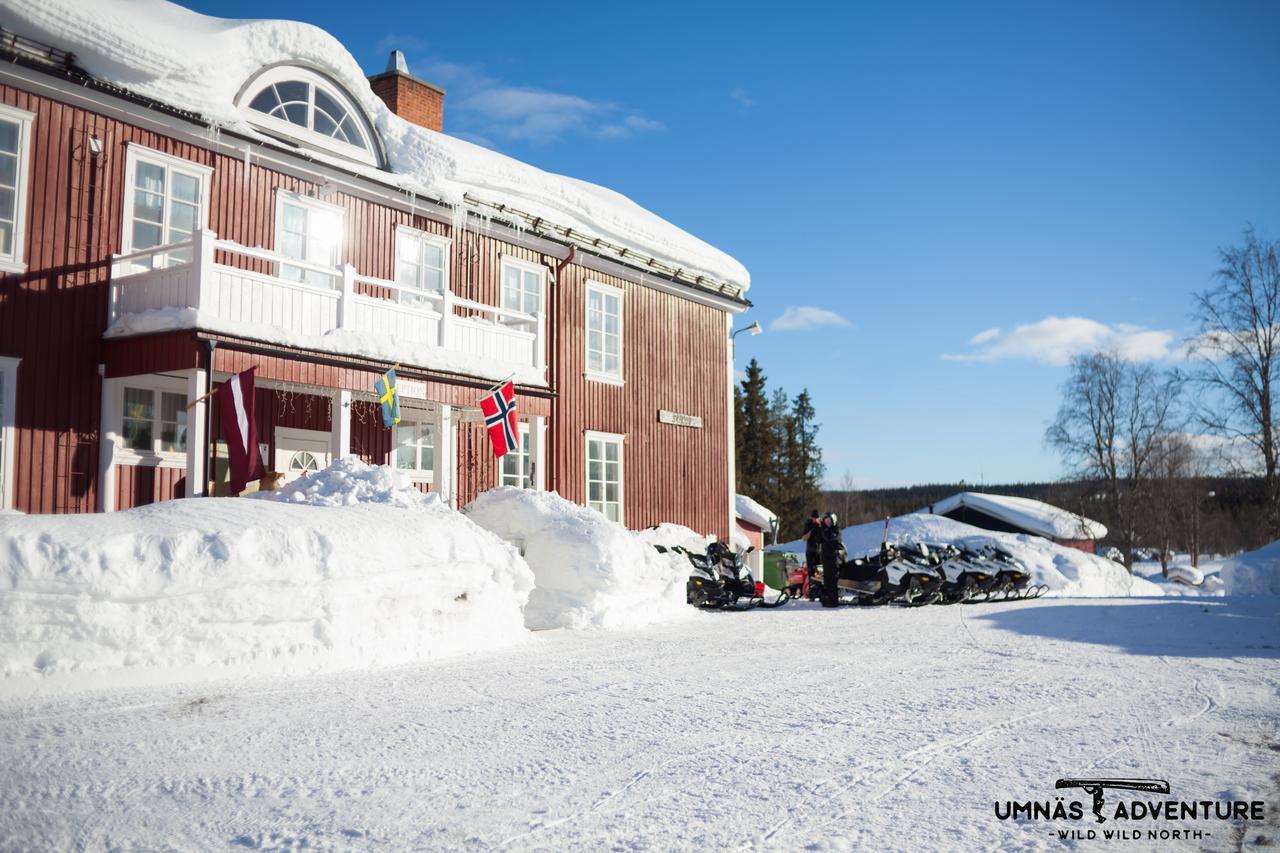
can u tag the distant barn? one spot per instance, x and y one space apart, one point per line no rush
1022 515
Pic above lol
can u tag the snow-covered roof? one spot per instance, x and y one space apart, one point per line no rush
1027 514
753 513
199 63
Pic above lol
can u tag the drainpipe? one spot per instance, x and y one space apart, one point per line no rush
554 448
210 449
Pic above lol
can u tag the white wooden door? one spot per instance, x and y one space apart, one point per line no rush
301 451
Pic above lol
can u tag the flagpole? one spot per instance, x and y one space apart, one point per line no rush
499 383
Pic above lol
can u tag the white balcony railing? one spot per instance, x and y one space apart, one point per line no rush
186 276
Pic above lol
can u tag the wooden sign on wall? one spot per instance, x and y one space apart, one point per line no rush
678 419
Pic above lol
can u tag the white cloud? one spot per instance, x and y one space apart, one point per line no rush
798 317
740 95
480 106
1054 340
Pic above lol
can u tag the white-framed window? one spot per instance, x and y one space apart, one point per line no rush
309 107
604 332
522 283
153 419
8 428
15 159
517 465
308 230
415 450
604 474
166 200
422 263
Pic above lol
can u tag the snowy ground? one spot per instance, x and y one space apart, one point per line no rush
889 728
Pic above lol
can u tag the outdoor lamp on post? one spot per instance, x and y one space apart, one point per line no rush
754 329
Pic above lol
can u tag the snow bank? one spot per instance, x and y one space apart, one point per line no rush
221 587
348 482
200 63
1065 570
672 535
589 572
1254 573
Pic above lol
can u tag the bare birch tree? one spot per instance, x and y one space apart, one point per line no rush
1109 428
1238 349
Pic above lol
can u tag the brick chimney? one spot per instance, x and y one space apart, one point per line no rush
412 99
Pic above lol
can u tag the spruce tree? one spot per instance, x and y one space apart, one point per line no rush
753 435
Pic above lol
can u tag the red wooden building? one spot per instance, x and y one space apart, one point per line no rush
150 248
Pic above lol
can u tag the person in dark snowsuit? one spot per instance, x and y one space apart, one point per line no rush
832 555
812 537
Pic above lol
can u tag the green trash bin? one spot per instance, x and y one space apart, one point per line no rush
775 568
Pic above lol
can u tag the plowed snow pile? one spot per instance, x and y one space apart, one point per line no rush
1066 571
212 587
1254 573
589 572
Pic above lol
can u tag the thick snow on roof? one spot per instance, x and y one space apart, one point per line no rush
199 63
1031 515
753 513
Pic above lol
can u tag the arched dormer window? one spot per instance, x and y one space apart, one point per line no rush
299 103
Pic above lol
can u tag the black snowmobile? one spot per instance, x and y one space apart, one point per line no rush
967 574
1013 580
720 580
898 574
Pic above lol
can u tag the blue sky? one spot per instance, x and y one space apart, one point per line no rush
945 179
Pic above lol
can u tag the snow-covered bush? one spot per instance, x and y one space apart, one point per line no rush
1066 571
211 587
1253 573
589 572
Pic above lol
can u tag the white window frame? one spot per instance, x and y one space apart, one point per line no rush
404 232
602 375
284 197
15 261
161 458
524 266
134 154
528 456
8 426
417 419
621 441
311 138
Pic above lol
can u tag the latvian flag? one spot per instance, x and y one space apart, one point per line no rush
500 418
239 429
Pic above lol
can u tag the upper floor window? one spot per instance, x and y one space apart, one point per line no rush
604 332
165 202
522 285
312 109
422 261
15 143
308 230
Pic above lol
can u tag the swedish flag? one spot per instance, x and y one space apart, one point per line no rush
389 397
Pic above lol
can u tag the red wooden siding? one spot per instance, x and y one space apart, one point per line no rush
674 354
138 485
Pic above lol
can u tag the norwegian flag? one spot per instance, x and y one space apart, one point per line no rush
500 419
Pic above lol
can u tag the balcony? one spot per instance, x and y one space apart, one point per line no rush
222 286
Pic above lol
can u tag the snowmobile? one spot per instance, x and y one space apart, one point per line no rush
1013 580
967 575
741 591
898 574
718 579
